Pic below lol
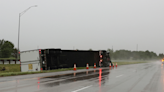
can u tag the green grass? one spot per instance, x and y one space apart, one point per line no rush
126 62
11 58
48 71
10 68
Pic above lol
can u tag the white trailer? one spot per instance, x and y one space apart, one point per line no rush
30 61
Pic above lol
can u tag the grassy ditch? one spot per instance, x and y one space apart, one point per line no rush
2 74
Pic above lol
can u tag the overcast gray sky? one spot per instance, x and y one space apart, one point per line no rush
85 24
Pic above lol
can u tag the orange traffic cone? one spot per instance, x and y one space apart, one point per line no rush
113 64
94 65
109 64
87 66
116 64
74 67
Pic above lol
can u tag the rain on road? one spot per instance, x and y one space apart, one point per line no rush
146 77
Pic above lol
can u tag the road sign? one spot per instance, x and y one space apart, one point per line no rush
30 66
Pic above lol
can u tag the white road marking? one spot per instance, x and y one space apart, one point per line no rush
82 88
119 76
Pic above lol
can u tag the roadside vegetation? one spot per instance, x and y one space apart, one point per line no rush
11 58
6 73
126 62
10 68
7 50
14 69
134 55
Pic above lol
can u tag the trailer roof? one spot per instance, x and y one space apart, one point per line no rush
63 50
29 50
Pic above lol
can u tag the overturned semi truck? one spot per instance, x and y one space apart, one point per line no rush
49 59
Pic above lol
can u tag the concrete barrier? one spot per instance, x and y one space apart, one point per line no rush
1 62
9 62
17 62
6 62
12 62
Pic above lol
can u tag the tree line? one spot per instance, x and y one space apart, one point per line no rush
134 55
7 49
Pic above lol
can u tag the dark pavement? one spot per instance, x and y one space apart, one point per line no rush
146 77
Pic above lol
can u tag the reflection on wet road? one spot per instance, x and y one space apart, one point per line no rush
148 77
78 77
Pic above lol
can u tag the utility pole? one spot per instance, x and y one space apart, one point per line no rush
20 14
112 47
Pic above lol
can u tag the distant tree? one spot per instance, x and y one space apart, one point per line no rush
161 55
6 48
110 53
1 44
14 53
90 50
135 55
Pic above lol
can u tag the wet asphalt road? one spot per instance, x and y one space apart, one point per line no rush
147 77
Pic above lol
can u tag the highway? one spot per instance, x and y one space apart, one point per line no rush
145 77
